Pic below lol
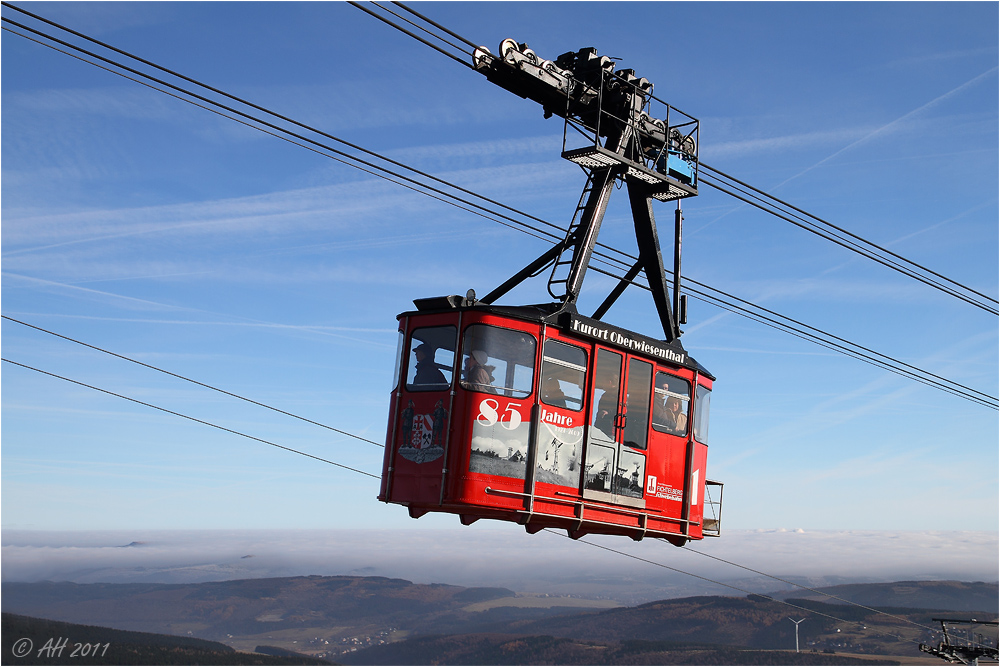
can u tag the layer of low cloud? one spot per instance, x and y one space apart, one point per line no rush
547 562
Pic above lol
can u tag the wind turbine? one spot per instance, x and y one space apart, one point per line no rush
796 632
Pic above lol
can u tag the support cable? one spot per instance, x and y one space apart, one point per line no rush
844 231
696 576
847 244
743 590
806 588
593 544
854 247
367 474
522 225
407 32
422 185
440 27
467 54
845 341
371 169
194 419
872 359
247 103
187 379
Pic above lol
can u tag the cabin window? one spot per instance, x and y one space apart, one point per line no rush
564 374
671 399
640 380
498 361
701 401
607 380
399 359
431 358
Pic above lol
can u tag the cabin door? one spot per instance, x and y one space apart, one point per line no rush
615 466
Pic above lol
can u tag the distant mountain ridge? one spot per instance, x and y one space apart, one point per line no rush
370 620
945 595
247 606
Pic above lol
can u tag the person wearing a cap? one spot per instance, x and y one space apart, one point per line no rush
427 370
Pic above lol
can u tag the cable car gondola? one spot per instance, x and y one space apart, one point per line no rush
540 415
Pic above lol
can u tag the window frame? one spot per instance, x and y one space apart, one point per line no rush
515 391
411 364
703 398
662 428
546 359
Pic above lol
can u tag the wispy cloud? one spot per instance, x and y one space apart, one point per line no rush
327 208
876 396
265 325
893 125
112 102
939 57
146 304
732 149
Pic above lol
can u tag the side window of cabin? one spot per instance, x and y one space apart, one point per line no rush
607 383
564 374
671 399
431 358
701 401
399 359
498 361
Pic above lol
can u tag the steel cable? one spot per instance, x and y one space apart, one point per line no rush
847 244
194 419
187 379
531 229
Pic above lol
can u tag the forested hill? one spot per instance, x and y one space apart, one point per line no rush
34 641
345 619
954 595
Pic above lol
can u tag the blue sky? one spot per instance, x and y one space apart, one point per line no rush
143 225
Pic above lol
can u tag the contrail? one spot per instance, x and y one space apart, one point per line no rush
874 133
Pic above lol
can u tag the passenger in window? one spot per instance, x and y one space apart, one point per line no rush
607 407
477 373
670 415
552 393
427 369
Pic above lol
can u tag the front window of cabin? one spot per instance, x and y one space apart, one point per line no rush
431 358
671 399
564 375
702 396
498 361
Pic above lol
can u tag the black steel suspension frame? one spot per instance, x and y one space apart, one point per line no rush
584 89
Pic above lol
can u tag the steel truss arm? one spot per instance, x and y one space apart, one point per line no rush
650 256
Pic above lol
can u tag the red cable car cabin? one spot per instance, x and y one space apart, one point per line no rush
548 420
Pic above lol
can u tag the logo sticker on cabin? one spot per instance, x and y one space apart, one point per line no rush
423 434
